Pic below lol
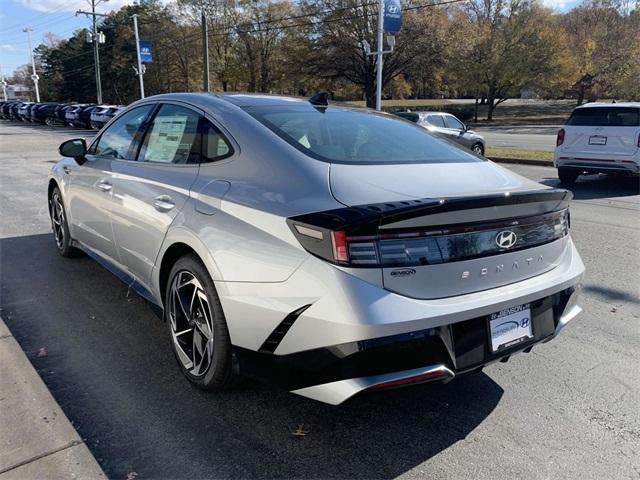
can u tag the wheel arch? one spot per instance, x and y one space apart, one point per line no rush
170 257
178 243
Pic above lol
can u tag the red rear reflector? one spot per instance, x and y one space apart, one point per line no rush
560 138
339 243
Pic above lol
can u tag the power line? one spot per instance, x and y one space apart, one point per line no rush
30 21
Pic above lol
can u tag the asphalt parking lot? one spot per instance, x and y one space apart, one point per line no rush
569 409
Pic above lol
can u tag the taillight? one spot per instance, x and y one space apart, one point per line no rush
361 245
560 138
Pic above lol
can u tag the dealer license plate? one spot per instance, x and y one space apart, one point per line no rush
597 140
510 327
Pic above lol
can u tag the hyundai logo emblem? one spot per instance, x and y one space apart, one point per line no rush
506 239
392 9
524 322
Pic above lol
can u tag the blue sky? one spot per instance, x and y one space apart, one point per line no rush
58 16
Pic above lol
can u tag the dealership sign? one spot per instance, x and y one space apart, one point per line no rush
145 51
392 16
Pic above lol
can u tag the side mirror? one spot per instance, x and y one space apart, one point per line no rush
76 149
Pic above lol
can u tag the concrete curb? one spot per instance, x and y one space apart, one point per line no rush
37 440
522 161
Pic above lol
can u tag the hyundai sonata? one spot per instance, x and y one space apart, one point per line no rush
326 248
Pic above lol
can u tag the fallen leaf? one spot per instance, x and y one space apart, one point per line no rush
132 475
300 432
42 352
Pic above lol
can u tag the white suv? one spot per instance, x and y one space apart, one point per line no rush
599 138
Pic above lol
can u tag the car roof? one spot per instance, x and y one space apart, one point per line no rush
609 104
237 99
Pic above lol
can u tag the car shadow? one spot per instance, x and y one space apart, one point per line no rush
107 360
589 187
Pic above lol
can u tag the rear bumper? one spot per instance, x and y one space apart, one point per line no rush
334 374
599 164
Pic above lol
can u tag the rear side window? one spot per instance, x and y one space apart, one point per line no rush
605 117
214 145
436 120
412 117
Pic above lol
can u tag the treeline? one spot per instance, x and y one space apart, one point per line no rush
485 49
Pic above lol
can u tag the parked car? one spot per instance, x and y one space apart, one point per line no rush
84 117
447 126
101 115
43 111
329 248
30 111
5 110
60 115
24 111
599 138
79 116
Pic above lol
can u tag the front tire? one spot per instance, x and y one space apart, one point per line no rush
478 148
60 225
567 175
197 326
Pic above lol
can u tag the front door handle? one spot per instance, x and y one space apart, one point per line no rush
66 169
105 186
163 203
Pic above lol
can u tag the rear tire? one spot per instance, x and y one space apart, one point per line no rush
197 326
567 175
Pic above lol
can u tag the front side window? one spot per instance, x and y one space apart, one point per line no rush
173 137
452 122
116 141
353 136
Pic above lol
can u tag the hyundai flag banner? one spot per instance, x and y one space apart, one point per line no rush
145 51
392 16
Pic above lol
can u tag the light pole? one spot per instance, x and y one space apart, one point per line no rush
4 86
391 40
34 75
380 55
140 70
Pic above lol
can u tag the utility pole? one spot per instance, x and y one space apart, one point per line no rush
96 38
140 71
4 85
34 75
205 53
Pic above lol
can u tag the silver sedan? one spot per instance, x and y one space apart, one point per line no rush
329 249
447 126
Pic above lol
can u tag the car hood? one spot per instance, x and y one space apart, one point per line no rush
364 184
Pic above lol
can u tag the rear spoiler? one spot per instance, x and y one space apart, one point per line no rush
369 219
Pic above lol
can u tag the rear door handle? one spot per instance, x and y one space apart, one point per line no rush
163 203
105 186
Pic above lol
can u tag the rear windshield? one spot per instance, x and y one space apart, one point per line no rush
605 117
344 135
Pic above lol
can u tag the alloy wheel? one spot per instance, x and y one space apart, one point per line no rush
191 323
478 149
57 218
